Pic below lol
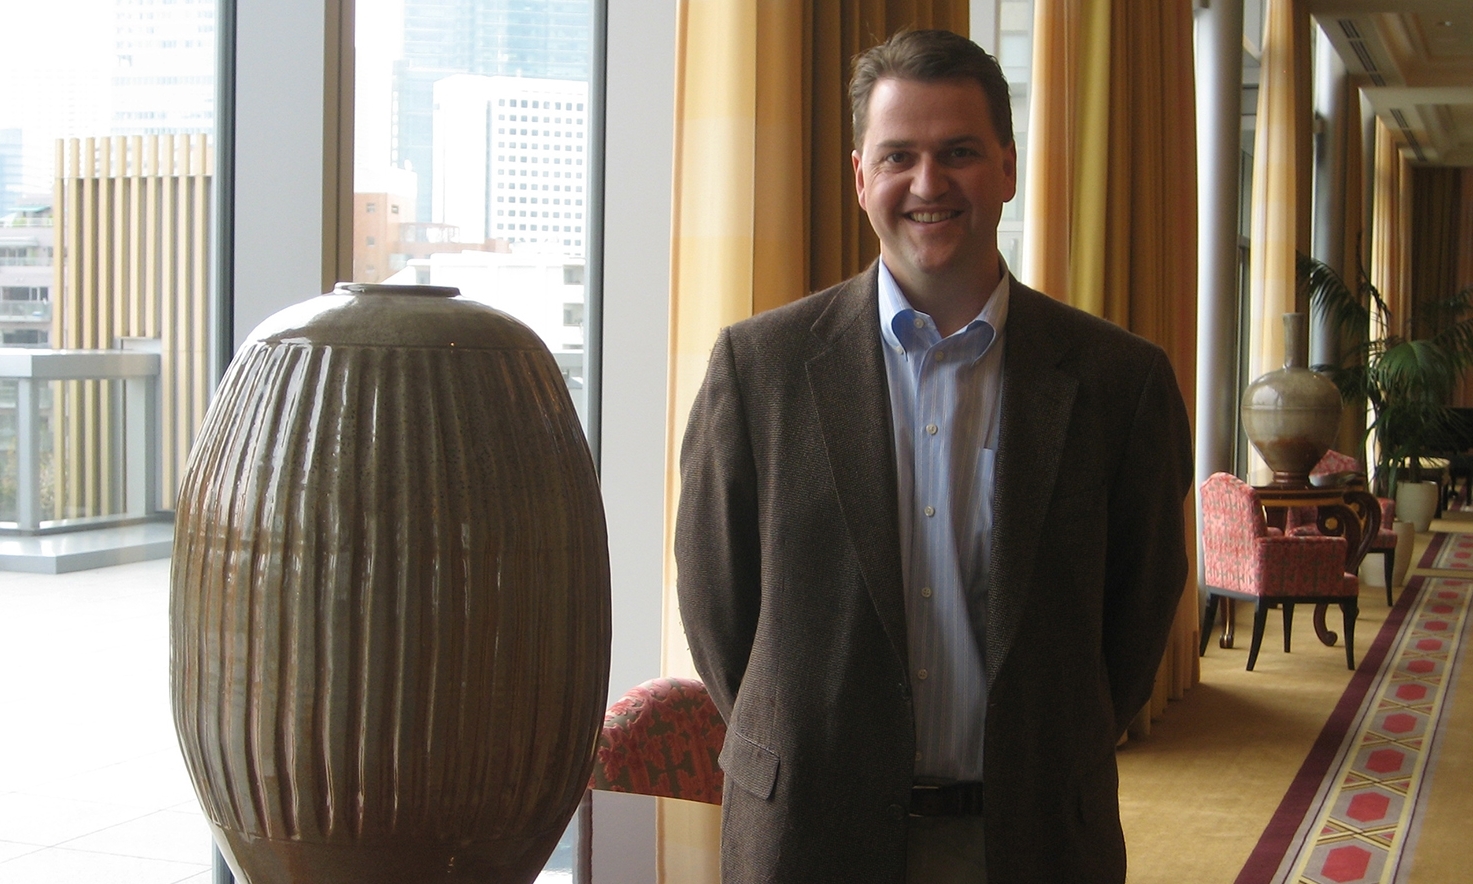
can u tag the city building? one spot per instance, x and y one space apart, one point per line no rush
509 160
494 38
163 79
383 200
27 244
11 177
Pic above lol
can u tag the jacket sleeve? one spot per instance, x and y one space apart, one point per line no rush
1146 559
717 553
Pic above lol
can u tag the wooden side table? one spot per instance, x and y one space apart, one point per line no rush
1348 511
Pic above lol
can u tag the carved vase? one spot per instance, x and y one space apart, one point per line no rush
1292 415
390 596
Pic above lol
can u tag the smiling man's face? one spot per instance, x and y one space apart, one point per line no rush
933 177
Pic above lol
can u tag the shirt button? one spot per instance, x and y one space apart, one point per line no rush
940 355
930 511
899 349
919 322
925 592
918 756
931 428
921 674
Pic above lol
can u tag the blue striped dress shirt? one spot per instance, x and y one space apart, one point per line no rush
945 396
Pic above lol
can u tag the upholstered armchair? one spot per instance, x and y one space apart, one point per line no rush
1334 463
1245 559
662 738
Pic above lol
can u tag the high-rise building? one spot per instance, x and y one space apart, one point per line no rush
163 80
509 155
10 170
550 40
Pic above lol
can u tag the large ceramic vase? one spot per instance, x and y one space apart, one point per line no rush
390 596
1292 415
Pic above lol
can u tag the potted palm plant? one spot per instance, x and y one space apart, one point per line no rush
1406 380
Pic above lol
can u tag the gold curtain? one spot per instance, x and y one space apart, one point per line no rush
1465 229
764 207
1282 176
1433 264
1391 229
1112 208
1350 179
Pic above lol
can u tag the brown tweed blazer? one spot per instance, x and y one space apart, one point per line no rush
790 587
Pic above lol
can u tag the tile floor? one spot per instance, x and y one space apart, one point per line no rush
92 787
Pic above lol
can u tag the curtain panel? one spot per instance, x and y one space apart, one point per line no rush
764 206
1111 225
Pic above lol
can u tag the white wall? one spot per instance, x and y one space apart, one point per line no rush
636 316
278 157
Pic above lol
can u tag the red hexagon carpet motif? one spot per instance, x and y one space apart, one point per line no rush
1399 723
1411 692
1384 761
1348 863
1368 806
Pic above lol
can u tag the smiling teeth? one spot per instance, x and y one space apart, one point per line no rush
931 217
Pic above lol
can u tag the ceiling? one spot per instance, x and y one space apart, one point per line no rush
1414 61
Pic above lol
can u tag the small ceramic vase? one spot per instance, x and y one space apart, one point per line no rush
390 596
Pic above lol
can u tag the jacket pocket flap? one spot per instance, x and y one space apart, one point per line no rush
749 765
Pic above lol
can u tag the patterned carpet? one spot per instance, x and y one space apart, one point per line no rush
1448 552
1353 811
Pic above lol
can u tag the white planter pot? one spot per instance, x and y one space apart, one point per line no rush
1416 502
1406 535
1373 570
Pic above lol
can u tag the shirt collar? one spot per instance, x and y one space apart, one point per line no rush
896 311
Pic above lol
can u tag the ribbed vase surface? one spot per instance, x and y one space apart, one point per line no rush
390 596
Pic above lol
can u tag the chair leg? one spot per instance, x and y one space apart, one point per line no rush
1260 617
1209 617
1389 560
1288 624
1351 610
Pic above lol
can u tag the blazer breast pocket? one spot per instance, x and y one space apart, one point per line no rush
750 765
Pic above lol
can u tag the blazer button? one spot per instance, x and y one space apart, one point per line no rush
896 812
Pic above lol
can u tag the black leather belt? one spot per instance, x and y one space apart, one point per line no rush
953 799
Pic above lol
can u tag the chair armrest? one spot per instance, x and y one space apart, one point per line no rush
1290 566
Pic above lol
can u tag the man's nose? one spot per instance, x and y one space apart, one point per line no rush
930 181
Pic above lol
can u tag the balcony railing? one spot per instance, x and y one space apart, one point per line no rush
31 369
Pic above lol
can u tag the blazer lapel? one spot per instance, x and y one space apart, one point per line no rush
1037 399
847 379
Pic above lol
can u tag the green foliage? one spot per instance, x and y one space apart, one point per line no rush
1407 382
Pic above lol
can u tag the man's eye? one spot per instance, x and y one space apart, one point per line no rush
896 157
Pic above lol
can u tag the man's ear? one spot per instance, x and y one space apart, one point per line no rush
1010 168
858 178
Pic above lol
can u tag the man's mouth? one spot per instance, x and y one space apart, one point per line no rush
931 217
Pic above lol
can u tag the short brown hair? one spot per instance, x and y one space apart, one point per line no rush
928 56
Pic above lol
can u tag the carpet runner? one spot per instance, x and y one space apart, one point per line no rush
1448 552
1352 813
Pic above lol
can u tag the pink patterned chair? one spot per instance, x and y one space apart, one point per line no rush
1245 559
662 738
1334 463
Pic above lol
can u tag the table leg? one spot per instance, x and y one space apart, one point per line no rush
1320 629
1226 641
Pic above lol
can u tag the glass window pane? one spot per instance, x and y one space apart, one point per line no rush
107 143
472 127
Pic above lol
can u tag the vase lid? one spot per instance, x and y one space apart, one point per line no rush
370 315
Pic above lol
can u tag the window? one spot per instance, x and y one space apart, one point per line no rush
436 83
86 83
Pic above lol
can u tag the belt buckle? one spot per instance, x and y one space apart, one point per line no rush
931 790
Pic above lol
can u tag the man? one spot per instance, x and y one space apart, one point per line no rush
930 534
